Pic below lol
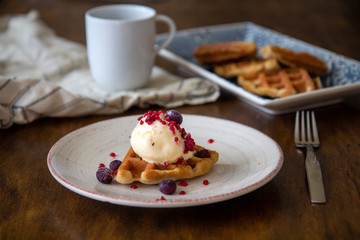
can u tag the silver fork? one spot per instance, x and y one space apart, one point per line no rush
312 165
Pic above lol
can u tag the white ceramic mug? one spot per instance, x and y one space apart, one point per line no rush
121 47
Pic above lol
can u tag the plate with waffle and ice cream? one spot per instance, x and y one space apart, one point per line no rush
164 160
269 70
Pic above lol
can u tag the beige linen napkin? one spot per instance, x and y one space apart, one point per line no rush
43 75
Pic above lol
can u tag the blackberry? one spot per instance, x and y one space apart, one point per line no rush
203 153
104 175
167 187
114 165
175 116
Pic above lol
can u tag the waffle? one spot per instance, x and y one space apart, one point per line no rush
289 58
224 51
234 69
279 83
133 168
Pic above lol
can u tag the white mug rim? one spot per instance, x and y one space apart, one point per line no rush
93 12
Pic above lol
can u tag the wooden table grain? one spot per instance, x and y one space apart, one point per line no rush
33 205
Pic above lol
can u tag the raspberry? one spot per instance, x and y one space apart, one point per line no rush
172 126
180 160
183 133
189 143
151 116
150 119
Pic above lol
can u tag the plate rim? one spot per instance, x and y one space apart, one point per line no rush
171 203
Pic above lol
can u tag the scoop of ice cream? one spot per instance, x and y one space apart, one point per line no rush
158 140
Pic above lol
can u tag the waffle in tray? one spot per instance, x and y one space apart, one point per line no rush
133 168
290 58
280 72
279 83
224 51
234 69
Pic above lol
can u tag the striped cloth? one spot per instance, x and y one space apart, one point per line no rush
43 75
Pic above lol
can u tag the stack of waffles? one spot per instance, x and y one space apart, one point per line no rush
280 72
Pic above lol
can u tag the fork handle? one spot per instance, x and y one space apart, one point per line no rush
314 177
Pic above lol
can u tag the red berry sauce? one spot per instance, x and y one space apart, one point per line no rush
101 165
189 143
206 182
180 160
183 184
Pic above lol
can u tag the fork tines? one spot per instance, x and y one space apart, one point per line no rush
306 130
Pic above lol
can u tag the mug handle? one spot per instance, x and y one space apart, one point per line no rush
172 31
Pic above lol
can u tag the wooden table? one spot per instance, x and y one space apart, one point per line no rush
35 206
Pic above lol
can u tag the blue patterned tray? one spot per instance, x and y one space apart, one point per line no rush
342 81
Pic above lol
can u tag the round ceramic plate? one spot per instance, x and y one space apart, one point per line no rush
248 159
